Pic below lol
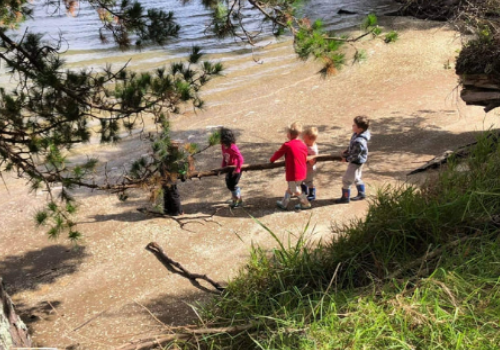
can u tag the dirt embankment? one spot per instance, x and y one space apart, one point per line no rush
108 289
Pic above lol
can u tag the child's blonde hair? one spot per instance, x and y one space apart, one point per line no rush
311 132
294 129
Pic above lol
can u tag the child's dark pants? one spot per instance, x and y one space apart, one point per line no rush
232 180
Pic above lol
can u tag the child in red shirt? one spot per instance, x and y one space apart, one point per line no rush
231 155
295 152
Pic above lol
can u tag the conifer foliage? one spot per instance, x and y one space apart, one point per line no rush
52 108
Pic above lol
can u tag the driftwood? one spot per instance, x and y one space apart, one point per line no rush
175 267
13 332
184 334
142 183
259 166
436 162
481 90
461 152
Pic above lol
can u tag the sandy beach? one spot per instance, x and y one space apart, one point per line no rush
107 290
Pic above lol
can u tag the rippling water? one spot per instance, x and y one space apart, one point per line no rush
85 49
81 31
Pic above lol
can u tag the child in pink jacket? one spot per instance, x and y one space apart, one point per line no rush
231 156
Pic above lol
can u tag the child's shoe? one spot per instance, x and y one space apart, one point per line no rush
302 206
361 193
346 194
304 203
312 194
281 205
236 203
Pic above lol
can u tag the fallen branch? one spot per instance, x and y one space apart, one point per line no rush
462 152
182 334
129 183
175 267
259 166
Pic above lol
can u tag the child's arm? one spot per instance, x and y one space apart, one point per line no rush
355 152
278 154
314 152
239 159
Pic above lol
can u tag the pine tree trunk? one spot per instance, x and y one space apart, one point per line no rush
13 332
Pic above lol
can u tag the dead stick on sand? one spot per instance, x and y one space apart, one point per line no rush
177 268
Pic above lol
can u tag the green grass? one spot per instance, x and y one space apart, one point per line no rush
389 281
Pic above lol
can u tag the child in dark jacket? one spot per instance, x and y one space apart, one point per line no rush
295 152
231 156
356 155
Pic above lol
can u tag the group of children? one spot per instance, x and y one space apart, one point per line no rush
299 170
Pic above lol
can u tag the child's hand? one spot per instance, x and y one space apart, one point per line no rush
344 160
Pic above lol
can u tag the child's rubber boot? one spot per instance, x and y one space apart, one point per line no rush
312 194
346 194
303 186
361 193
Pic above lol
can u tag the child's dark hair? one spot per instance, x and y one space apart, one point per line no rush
227 137
362 122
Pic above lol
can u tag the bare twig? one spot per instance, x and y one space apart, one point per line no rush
177 268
